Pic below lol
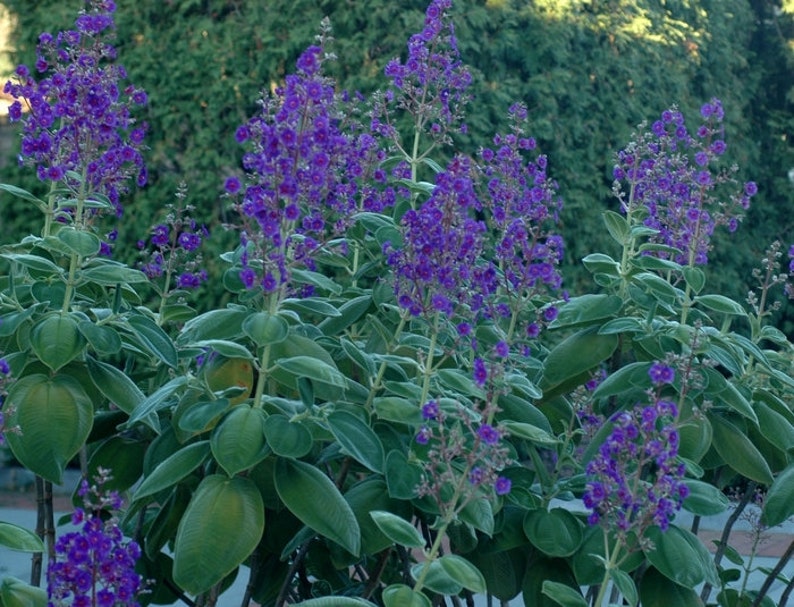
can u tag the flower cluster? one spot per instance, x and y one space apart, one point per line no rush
457 445
307 158
78 120
635 480
439 267
670 176
431 84
94 567
172 247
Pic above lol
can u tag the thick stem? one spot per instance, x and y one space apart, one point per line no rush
613 559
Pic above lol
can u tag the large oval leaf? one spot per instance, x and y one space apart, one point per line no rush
576 355
173 469
679 556
56 340
398 529
20 539
738 451
287 438
54 416
779 500
357 439
238 441
16 593
556 532
153 338
115 385
221 527
656 590
299 485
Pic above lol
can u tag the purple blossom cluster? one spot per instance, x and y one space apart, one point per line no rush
474 447
306 168
523 204
173 248
671 175
431 84
635 479
77 118
440 267
95 566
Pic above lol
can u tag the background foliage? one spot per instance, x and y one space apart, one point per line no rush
589 72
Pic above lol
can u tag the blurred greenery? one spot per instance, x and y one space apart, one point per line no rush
589 70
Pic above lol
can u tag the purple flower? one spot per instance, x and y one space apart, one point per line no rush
423 436
430 410
488 434
95 562
4 368
80 112
672 175
480 372
307 172
502 349
661 374
503 485
634 480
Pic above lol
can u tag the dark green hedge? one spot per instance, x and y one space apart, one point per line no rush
589 72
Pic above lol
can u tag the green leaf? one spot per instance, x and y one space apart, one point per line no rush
460 382
123 456
695 278
397 409
264 328
154 338
397 529
102 339
704 499
114 385
54 416
555 533
725 393
402 475
617 226
111 274
626 585
599 263
349 313
779 500
299 484
776 428
80 242
400 595
56 340
529 432
226 348
720 303
463 572
575 355
679 556
238 441
311 305
221 527
156 401
20 539
656 590
316 279
16 593
24 195
215 324
633 376
34 262
173 469
738 451
562 594
287 438
312 368
436 578
357 439
587 309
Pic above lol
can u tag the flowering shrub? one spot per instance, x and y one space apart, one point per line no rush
399 401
